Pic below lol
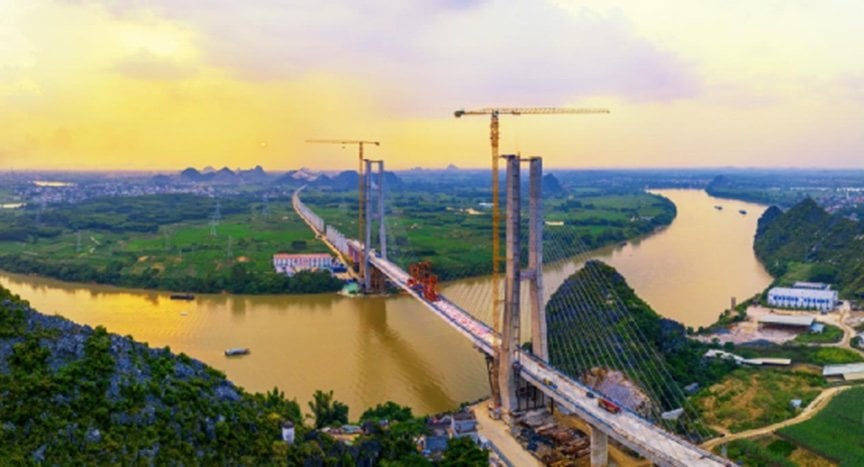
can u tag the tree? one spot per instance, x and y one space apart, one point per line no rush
389 411
463 452
326 411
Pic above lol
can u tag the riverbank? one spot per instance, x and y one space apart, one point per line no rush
375 349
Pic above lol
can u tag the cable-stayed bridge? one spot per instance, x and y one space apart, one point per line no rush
626 427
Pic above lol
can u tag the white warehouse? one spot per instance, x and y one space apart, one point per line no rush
805 298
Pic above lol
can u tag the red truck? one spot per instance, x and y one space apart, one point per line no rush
608 405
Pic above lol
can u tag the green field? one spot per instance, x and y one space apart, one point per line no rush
771 451
165 241
454 231
836 432
831 334
169 252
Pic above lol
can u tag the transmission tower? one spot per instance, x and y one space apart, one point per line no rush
215 218
230 242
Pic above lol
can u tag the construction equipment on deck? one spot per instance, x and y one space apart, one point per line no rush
494 135
359 144
423 281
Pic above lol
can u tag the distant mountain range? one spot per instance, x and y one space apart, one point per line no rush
343 181
224 175
346 180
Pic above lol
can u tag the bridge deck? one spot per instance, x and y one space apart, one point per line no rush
628 428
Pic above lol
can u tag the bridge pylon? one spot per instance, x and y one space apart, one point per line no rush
510 322
372 281
507 364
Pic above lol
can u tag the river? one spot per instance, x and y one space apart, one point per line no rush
369 350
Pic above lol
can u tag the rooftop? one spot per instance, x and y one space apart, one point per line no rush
811 285
787 320
840 370
300 255
803 292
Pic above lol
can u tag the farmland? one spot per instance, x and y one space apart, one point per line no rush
453 228
772 451
199 243
164 242
837 431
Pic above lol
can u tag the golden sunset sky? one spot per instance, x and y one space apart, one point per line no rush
166 84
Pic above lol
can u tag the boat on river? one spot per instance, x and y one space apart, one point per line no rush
742 211
718 207
236 352
181 296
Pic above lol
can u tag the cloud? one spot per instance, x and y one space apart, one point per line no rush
147 66
421 53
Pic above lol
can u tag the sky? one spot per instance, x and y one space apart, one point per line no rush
166 84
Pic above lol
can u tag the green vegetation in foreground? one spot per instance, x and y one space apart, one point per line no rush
72 395
772 451
163 242
808 243
451 229
585 297
830 335
753 454
750 398
836 431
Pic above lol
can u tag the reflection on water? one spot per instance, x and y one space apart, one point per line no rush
369 350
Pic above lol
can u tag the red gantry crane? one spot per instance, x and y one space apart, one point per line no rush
494 113
359 144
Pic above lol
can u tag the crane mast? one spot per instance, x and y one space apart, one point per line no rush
494 137
360 204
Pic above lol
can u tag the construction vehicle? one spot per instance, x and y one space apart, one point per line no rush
422 280
608 405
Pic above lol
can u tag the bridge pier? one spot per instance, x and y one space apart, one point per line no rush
599 448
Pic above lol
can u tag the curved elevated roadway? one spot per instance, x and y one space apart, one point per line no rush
628 428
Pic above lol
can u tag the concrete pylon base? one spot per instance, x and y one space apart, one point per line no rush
599 448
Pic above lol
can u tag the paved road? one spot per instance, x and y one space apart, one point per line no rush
815 406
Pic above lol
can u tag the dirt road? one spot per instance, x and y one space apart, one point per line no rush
818 404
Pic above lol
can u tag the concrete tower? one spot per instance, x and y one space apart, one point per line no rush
510 321
539 345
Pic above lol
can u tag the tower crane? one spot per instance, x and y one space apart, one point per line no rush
359 144
494 113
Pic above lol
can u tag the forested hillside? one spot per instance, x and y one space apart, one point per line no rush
73 395
808 243
595 320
